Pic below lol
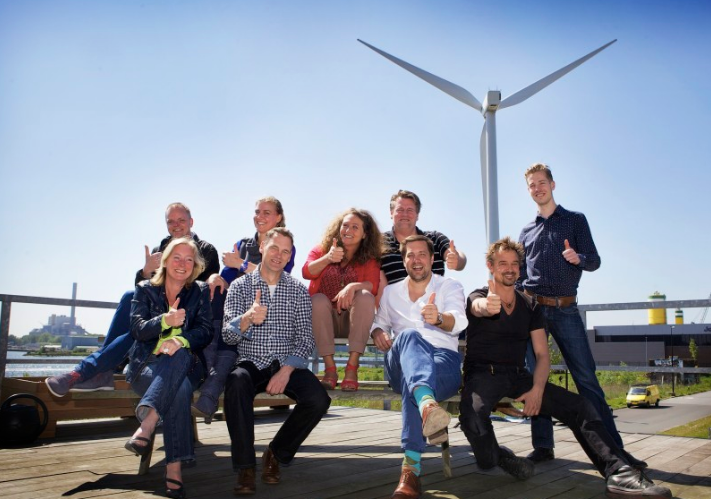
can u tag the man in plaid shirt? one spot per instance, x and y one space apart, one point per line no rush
268 318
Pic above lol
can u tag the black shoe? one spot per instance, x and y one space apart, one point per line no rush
628 482
178 493
541 454
633 461
519 467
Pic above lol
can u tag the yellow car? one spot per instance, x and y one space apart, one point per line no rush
643 395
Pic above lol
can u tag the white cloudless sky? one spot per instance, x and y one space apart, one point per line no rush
111 110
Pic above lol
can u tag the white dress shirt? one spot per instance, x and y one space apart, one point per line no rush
398 313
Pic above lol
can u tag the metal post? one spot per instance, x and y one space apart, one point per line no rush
646 355
671 329
4 338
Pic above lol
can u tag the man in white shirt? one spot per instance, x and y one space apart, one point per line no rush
418 325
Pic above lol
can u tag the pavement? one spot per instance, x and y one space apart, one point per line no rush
671 412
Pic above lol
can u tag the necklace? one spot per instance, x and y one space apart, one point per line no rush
508 305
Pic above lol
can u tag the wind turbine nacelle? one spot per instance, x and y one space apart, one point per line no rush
491 101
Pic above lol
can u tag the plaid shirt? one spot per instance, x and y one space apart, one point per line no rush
286 333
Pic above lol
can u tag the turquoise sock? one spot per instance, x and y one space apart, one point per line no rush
423 394
412 461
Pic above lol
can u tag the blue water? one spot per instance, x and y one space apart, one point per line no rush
19 370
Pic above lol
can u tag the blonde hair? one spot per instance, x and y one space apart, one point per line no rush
505 244
538 167
199 262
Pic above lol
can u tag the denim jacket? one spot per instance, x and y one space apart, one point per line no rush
147 309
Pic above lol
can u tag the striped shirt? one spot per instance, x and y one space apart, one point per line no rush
392 264
286 333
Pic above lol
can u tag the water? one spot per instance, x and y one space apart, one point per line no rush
20 370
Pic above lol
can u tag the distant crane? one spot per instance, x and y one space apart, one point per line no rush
487 143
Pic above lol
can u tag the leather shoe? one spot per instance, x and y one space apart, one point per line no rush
409 486
628 482
541 454
434 421
246 482
270 467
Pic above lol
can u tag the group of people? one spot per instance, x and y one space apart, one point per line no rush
252 328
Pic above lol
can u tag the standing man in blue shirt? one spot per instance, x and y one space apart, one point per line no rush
559 246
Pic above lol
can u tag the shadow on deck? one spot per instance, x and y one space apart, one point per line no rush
353 453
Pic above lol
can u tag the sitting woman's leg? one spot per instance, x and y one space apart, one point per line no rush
322 320
360 319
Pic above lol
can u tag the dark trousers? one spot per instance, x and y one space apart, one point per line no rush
243 384
484 388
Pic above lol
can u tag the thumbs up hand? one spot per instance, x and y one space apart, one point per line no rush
152 263
175 317
570 255
452 258
335 254
231 258
493 301
257 314
429 311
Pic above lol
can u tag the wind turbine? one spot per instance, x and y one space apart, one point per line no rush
492 103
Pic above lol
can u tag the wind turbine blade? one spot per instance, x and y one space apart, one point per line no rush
484 175
445 86
522 95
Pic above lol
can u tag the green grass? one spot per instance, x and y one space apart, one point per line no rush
614 383
695 429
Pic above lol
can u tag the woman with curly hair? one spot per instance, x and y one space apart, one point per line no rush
344 271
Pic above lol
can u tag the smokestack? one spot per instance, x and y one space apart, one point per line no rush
73 319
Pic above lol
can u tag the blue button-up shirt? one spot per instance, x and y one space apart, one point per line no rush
544 271
286 333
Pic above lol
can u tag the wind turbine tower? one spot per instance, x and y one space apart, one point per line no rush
492 103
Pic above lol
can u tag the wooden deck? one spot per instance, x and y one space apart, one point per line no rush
353 453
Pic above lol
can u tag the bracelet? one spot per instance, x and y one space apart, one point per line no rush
244 266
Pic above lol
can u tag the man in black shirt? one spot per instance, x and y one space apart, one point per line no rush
501 320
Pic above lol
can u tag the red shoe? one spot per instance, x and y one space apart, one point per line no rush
350 385
330 378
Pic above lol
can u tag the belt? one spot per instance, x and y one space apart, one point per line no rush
553 301
499 368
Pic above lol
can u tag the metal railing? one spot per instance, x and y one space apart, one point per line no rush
7 301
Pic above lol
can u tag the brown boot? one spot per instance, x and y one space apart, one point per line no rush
409 486
246 482
270 467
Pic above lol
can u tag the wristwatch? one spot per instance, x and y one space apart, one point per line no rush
440 320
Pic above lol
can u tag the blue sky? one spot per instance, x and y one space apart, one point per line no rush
111 110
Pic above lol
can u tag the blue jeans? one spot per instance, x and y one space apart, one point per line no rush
116 345
166 384
567 328
411 362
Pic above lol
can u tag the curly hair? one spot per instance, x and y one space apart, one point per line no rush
372 245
